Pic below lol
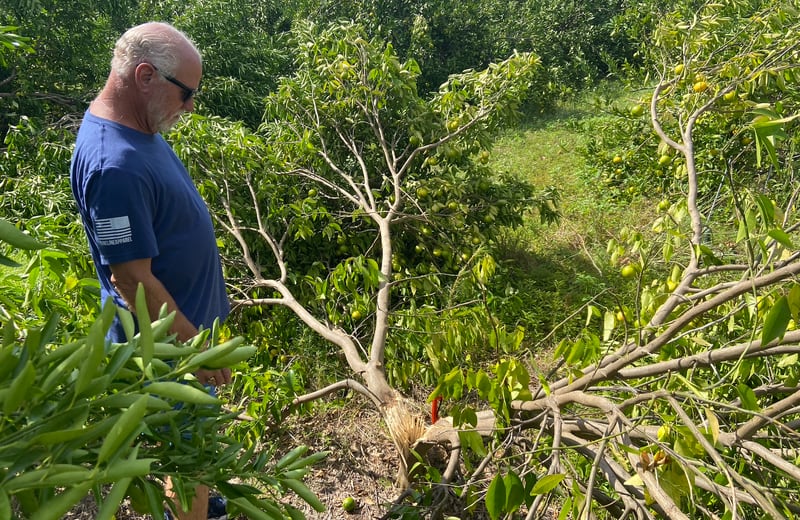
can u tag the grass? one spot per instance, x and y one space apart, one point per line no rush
554 270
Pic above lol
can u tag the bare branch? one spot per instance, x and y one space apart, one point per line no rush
711 357
747 430
630 353
346 384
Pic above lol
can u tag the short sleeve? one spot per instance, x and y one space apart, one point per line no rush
120 205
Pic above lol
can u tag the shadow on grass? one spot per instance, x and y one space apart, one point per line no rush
547 289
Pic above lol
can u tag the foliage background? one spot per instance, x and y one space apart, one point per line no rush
700 55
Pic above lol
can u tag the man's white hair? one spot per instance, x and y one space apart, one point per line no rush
157 43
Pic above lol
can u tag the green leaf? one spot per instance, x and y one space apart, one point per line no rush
472 440
239 355
576 353
87 433
675 482
496 497
712 425
6 261
55 508
788 360
766 209
708 255
5 505
256 513
132 467
62 475
547 483
210 357
125 317
94 353
635 481
747 397
13 236
793 298
304 493
290 457
608 325
113 499
20 389
307 461
152 497
692 386
294 513
146 340
515 491
566 509
180 392
781 237
776 321
127 425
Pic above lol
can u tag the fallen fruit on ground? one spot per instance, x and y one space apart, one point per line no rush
349 504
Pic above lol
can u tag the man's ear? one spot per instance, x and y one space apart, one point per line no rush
144 75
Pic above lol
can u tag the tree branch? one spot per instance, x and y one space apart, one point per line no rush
346 384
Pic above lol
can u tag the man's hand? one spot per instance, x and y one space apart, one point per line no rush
217 377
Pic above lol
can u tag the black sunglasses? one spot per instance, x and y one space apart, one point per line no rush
188 93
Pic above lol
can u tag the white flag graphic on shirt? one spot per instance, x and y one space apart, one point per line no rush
113 231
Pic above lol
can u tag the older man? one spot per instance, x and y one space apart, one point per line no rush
145 221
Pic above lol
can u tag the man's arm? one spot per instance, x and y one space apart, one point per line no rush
126 278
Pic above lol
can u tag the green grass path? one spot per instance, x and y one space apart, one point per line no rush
556 269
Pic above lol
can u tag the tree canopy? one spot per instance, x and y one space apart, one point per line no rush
345 151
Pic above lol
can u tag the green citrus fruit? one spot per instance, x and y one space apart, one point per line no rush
628 271
452 153
349 504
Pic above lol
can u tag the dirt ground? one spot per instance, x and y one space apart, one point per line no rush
362 464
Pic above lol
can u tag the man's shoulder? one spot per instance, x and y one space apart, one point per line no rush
104 146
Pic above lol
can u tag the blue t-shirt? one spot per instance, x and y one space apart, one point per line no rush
137 201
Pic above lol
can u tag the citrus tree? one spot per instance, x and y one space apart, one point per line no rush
578 42
680 402
362 208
